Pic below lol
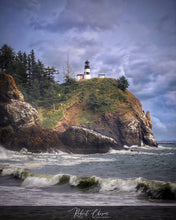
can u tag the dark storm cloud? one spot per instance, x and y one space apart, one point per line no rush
20 4
100 14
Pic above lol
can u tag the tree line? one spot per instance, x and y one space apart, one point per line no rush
33 78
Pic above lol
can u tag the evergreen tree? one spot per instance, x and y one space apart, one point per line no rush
39 68
35 81
24 61
20 56
7 56
29 71
123 83
50 73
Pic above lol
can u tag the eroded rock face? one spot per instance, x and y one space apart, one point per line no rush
83 140
127 127
8 89
130 128
35 139
22 114
13 110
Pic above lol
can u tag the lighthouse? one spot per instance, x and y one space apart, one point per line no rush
86 74
87 70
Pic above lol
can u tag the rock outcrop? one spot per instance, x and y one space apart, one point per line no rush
19 122
131 126
14 112
19 125
8 89
83 140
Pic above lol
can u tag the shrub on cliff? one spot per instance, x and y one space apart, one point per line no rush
93 102
122 83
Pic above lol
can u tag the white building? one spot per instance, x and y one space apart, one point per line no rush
80 77
101 76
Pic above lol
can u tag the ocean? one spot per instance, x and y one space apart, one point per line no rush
131 177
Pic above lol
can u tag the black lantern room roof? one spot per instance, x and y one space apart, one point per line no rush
87 65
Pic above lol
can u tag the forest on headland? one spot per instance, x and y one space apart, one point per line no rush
33 78
37 81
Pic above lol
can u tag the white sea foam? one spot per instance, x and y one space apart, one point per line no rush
16 172
39 181
130 151
134 150
74 181
160 147
4 153
114 184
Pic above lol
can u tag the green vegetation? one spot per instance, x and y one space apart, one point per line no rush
37 83
87 118
102 95
33 79
94 96
49 118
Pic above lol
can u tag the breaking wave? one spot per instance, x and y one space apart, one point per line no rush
144 149
4 154
151 189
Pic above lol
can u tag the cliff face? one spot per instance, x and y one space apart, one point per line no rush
14 112
127 126
8 89
19 121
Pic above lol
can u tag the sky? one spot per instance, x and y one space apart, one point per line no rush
134 38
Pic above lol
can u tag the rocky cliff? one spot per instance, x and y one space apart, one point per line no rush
120 120
14 112
19 121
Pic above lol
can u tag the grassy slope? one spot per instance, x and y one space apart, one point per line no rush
75 107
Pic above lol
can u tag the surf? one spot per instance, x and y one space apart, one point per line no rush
151 189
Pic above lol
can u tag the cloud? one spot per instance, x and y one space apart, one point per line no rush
158 124
20 4
81 15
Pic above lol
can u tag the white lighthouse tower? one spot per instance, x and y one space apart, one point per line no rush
87 70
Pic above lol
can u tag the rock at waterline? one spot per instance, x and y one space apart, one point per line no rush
83 140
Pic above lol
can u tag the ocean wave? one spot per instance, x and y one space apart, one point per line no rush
142 187
45 181
136 152
33 160
160 147
16 172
